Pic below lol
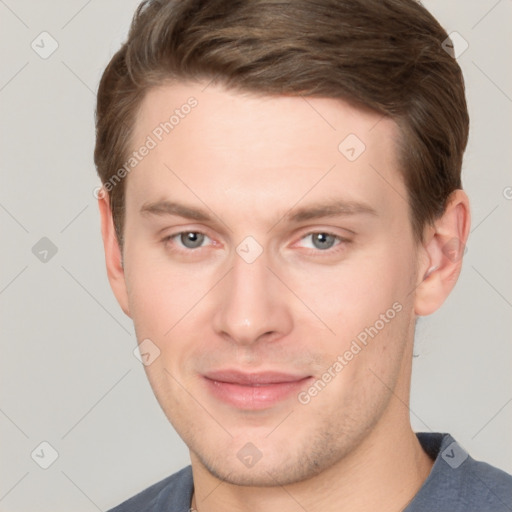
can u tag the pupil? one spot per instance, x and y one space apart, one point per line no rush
323 240
192 240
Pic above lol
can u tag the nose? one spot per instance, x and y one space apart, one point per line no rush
252 304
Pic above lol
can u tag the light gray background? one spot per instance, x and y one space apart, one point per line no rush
68 374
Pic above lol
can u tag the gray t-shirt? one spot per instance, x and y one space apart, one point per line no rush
456 483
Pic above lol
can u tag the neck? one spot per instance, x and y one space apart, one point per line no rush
383 473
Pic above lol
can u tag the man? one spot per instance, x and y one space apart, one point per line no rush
281 201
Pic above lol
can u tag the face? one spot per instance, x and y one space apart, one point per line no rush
269 259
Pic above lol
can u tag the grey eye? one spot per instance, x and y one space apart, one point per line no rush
192 239
323 240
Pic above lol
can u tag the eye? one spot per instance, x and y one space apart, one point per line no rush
188 239
322 241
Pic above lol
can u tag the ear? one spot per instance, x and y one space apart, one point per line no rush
443 249
113 255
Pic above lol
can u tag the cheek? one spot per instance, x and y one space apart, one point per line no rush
353 295
170 306
151 305
159 295
366 363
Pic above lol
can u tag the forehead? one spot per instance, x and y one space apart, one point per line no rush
261 151
217 113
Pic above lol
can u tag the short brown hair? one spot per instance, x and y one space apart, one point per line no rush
386 55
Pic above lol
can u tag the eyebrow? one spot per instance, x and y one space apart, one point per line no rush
330 209
173 208
315 211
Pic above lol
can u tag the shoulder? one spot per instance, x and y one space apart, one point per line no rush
458 482
486 487
172 494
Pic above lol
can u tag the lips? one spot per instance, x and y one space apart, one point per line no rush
252 379
253 390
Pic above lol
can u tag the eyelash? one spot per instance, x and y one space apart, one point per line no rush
315 252
166 240
339 245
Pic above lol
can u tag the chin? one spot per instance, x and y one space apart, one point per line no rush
264 473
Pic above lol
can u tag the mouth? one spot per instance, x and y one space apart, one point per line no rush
253 391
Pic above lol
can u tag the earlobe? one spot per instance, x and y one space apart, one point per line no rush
443 248
113 254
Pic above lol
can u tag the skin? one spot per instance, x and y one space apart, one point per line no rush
251 162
